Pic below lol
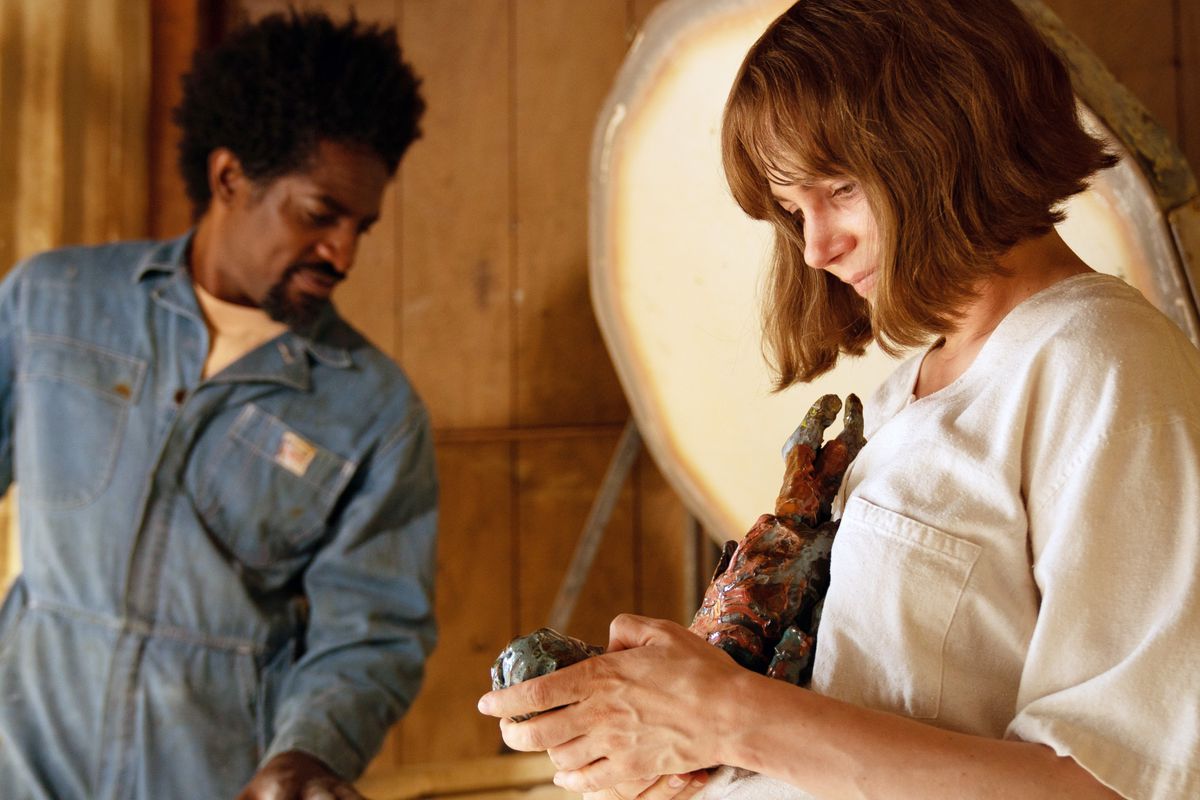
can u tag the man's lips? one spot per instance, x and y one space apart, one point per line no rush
316 281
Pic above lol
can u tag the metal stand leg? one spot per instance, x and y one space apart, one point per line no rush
593 530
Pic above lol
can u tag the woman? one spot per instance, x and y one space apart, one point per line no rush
1013 609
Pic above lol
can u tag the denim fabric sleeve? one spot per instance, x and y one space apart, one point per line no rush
8 317
371 623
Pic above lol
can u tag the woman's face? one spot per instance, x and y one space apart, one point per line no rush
841 235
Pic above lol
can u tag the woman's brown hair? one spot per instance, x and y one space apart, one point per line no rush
958 121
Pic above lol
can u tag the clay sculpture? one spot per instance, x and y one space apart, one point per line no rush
763 604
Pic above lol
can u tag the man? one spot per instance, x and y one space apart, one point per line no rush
228 500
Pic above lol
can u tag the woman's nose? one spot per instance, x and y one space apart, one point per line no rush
824 243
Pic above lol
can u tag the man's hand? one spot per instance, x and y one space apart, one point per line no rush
296 775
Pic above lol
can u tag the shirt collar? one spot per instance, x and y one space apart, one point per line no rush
170 257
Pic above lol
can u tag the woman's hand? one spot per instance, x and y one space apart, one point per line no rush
667 787
653 705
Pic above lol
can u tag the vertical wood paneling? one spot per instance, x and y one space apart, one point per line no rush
662 526
558 482
1188 37
475 609
255 9
370 296
175 28
84 106
39 223
113 208
567 55
78 129
455 235
12 52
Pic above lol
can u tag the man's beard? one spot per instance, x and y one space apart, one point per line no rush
298 311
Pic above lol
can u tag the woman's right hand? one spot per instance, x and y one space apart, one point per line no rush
666 787
649 706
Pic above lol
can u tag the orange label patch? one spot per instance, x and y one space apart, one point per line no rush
294 454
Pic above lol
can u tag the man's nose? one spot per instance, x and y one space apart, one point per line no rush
339 246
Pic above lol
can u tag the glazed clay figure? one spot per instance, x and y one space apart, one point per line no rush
763 604
539 653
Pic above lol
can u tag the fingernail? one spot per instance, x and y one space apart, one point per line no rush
485 704
558 779
676 781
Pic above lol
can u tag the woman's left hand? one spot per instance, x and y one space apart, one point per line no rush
654 705
667 787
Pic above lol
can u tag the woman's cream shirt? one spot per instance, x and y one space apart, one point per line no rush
1019 553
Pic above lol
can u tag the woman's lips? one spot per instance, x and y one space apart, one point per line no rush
862 282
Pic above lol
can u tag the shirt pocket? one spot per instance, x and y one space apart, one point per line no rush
267 492
74 402
895 588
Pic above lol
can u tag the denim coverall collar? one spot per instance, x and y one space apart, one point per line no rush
165 271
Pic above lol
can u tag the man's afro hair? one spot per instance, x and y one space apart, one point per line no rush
272 90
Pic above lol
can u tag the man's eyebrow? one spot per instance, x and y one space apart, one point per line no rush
333 205
341 210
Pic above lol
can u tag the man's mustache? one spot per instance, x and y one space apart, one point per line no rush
324 268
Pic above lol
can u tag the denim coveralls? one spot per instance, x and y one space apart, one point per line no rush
215 571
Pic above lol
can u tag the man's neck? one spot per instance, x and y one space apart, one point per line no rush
203 259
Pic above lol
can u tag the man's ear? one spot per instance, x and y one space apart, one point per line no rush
225 175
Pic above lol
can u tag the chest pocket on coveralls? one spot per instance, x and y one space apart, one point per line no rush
267 492
895 588
75 399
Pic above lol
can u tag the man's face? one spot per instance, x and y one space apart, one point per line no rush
287 243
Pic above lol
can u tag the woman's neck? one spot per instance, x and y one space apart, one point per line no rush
1032 265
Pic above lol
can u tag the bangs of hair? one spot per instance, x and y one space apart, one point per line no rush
960 126
781 125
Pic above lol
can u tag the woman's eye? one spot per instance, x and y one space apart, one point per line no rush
844 190
319 219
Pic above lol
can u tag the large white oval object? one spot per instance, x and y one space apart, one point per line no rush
677 268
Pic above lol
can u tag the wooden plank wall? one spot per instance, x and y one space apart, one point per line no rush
476 282
73 132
